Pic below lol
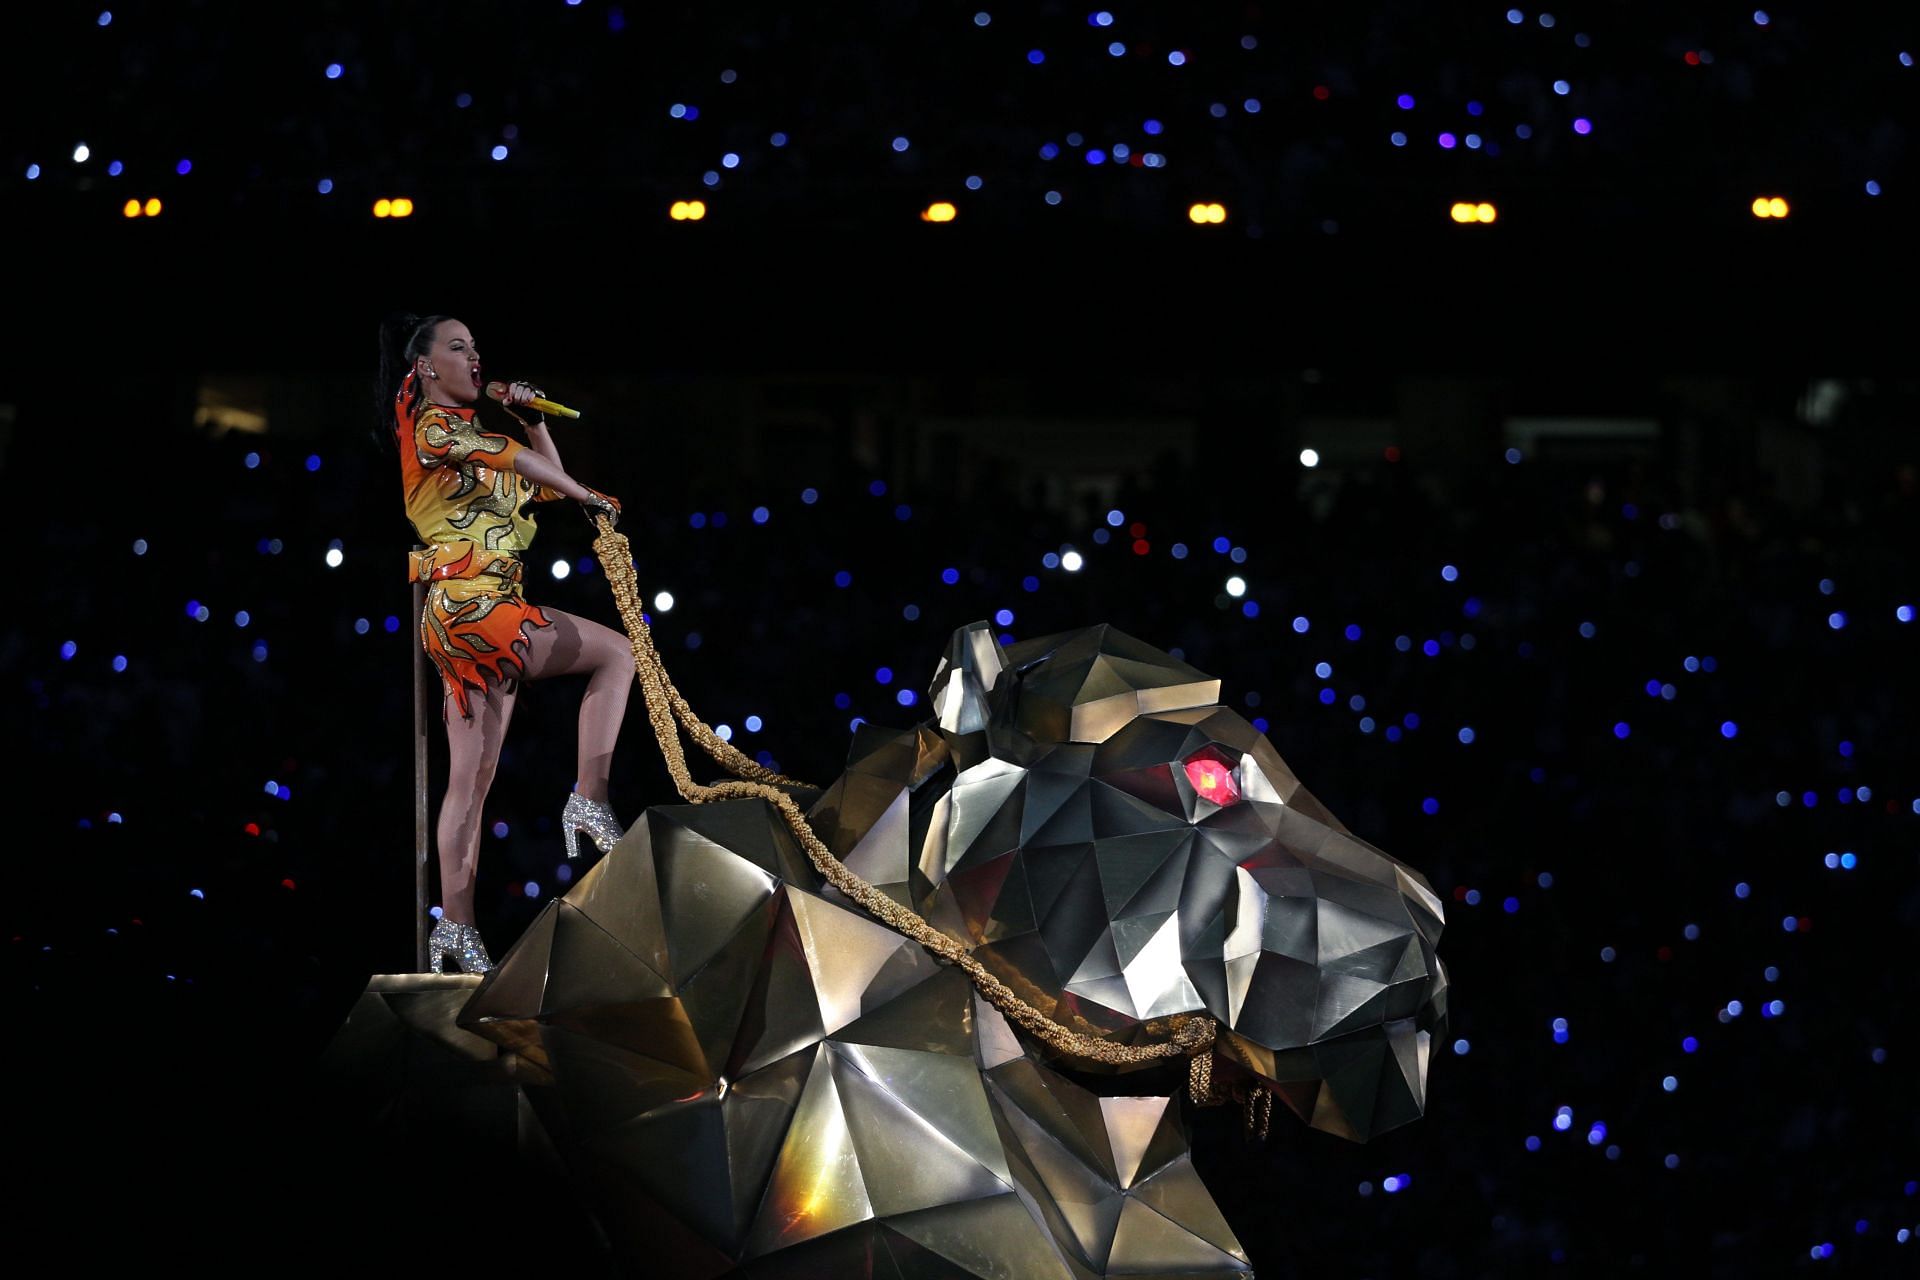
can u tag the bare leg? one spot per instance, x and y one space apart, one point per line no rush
577 646
475 748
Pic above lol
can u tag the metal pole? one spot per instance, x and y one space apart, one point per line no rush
420 834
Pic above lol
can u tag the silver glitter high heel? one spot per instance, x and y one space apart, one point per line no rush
592 817
462 942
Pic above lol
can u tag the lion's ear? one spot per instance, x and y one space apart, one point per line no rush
973 664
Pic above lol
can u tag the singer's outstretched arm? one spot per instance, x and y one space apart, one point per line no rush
541 441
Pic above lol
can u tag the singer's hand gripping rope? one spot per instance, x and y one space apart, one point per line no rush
1189 1035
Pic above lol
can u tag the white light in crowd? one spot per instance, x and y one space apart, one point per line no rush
1309 458
663 601
334 557
561 568
1236 586
1071 562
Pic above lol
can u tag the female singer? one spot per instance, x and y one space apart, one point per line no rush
470 493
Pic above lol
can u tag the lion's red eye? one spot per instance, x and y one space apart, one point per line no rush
1213 781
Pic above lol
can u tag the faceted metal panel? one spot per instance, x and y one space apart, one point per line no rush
762 1080
1074 851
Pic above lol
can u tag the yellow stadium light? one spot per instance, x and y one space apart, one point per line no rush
688 210
1462 212
1484 212
1777 207
1761 208
402 208
1216 213
938 211
679 211
153 206
131 208
1198 214
382 208
1202 214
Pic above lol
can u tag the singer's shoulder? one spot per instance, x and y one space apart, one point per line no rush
444 413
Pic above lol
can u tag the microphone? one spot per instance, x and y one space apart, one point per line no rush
498 391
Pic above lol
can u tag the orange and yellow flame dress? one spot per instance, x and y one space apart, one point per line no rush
471 509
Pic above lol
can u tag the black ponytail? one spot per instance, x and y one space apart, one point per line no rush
404 338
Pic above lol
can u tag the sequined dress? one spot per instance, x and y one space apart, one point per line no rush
472 511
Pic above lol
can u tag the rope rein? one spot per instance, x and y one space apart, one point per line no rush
1192 1036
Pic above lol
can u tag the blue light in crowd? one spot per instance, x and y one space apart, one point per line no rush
1036 57
1353 631
1450 573
392 624
903 513
1510 905
1431 648
754 723
905 697
949 576
333 70
184 168
313 462
1430 806
1728 729
1003 617
1622 729
1742 889
1533 1142
842 701
1030 583
1405 101
1689 1045
843 579
1837 620
809 496
761 515
1327 697
1846 748
883 675
1461 1047
1116 518
1251 609
1669 1083
878 488
1300 626
1466 734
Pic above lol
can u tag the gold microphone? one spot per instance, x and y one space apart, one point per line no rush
498 391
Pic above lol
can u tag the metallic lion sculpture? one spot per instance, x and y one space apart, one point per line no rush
758 1079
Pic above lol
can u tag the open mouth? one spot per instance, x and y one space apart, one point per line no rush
476 375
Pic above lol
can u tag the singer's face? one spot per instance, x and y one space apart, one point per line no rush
455 358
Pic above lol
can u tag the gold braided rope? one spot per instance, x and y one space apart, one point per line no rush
1189 1034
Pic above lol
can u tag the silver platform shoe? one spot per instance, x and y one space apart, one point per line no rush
592 817
462 942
